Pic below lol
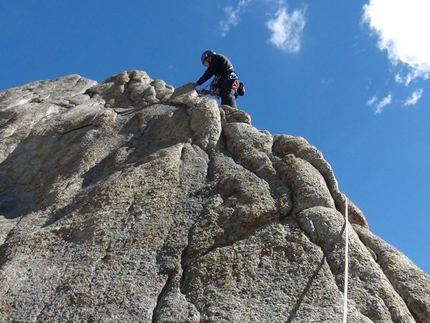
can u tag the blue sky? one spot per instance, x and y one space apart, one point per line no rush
351 77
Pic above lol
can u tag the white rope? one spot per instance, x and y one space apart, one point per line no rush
345 293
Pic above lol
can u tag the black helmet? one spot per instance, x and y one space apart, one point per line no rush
206 54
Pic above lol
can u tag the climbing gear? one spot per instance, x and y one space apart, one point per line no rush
211 89
206 54
241 89
215 86
345 293
235 84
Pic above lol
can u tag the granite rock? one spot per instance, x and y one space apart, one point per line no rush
130 200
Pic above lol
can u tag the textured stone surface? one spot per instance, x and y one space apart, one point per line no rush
133 201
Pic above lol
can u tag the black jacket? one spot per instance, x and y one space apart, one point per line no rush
219 65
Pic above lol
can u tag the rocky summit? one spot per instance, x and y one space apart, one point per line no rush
133 201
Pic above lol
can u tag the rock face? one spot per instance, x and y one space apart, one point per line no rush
132 201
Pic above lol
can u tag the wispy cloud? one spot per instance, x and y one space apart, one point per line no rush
287 29
232 16
378 106
372 100
403 79
415 96
402 28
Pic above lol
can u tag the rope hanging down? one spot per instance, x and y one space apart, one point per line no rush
345 293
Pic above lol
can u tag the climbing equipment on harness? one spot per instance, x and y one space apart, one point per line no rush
235 85
215 86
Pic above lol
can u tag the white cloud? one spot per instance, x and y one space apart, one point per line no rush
287 30
232 16
402 27
379 106
398 78
403 79
384 102
412 100
372 100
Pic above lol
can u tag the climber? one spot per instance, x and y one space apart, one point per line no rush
225 82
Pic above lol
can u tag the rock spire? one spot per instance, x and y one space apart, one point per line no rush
132 201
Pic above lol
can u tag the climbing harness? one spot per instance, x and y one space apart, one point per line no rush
345 293
214 87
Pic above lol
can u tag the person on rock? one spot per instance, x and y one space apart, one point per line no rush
225 82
